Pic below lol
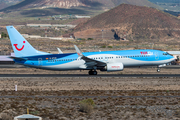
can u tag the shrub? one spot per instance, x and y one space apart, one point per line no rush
90 39
87 105
110 47
81 39
5 116
34 112
103 46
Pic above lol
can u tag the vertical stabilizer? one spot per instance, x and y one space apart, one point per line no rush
20 45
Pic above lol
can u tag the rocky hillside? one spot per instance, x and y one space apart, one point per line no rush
6 3
132 21
98 4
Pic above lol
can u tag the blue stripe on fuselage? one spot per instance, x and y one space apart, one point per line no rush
58 56
153 55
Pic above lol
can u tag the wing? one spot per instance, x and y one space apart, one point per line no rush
89 61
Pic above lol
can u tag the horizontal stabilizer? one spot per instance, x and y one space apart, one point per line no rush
17 58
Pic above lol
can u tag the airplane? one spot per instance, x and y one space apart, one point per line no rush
108 61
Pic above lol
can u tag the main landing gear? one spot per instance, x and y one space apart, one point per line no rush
91 72
158 69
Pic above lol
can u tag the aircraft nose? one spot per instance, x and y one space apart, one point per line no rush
173 58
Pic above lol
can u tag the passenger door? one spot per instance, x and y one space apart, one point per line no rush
40 62
156 56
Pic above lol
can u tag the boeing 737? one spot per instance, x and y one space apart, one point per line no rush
108 61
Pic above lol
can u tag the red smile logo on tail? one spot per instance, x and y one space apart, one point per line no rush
19 49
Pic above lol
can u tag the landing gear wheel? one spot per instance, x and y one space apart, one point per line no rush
92 72
158 70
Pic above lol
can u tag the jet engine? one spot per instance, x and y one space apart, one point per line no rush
113 67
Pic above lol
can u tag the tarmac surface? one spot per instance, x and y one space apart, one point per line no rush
93 76
19 71
22 66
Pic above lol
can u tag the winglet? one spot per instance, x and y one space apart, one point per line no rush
78 51
59 50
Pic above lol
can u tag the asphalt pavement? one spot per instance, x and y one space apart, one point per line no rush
94 76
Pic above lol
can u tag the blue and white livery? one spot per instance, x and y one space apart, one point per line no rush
26 55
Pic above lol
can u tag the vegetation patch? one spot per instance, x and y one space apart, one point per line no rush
87 105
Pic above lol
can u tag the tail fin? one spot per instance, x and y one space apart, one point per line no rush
20 45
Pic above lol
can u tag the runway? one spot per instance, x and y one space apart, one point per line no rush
22 66
92 76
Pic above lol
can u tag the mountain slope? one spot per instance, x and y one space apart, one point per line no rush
137 22
6 3
136 2
98 4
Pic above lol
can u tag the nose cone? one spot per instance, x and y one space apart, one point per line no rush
172 58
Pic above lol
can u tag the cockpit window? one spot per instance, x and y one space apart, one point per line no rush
166 53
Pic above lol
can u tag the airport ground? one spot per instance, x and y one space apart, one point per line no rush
58 98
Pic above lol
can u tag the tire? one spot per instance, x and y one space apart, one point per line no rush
94 72
90 72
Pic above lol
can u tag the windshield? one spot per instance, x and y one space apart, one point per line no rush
166 53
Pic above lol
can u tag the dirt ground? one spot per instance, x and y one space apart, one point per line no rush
76 83
55 98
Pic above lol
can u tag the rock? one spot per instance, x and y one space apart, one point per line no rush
63 118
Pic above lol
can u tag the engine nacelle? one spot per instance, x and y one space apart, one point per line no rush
114 67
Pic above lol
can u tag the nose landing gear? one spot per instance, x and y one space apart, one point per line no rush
91 72
158 69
